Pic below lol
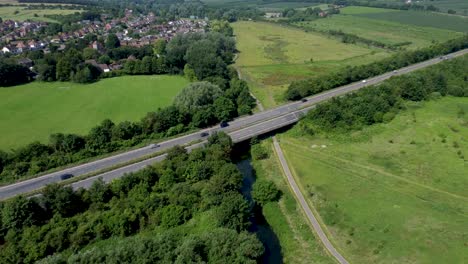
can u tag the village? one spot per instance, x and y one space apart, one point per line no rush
132 30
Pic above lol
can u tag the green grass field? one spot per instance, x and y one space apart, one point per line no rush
392 193
8 12
35 110
298 243
387 32
272 56
417 18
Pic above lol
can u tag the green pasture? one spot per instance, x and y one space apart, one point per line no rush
391 193
36 110
8 12
416 18
272 56
387 32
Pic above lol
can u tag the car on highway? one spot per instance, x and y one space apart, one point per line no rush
395 71
364 81
303 100
204 134
66 176
223 124
154 145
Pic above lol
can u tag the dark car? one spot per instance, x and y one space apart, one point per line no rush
303 100
223 124
204 134
66 176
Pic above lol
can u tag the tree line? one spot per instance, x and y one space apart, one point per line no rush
377 104
303 88
140 217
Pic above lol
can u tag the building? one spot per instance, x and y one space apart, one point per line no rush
273 15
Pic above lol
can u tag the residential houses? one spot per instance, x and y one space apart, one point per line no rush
17 37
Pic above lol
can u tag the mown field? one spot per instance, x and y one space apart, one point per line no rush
272 56
392 193
417 18
387 32
35 110
8 12
298 243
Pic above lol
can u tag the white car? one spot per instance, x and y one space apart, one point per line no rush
364 81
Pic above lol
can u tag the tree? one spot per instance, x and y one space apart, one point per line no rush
259 152
3 160
13 74
66 65
104 59
222 27
100 136
190 73
224 108
90 54
46 72
20 212
195 96
234 212
264 192
112 42
173 215
203 58
159 47
61 200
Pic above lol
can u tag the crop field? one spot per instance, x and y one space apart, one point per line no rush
395 192
298 243
417 18
272 56
8 12
460 6
35 110
387 32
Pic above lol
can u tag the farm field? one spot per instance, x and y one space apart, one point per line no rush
387 32
35 110
298 243
8 12
391 193
417 18
272 56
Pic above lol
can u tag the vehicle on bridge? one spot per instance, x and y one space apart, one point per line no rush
66 176
223 124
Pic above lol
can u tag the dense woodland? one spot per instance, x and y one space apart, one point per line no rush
185 209
303 88
377 104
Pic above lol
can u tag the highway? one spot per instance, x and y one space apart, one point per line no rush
240 129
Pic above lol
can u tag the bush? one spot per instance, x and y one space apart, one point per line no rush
264 192
259 152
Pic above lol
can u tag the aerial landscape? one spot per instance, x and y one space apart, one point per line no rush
233 131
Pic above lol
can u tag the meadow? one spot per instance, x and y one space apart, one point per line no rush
36 110
394 192
298 243
272 56
417 18
387 32
8 12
